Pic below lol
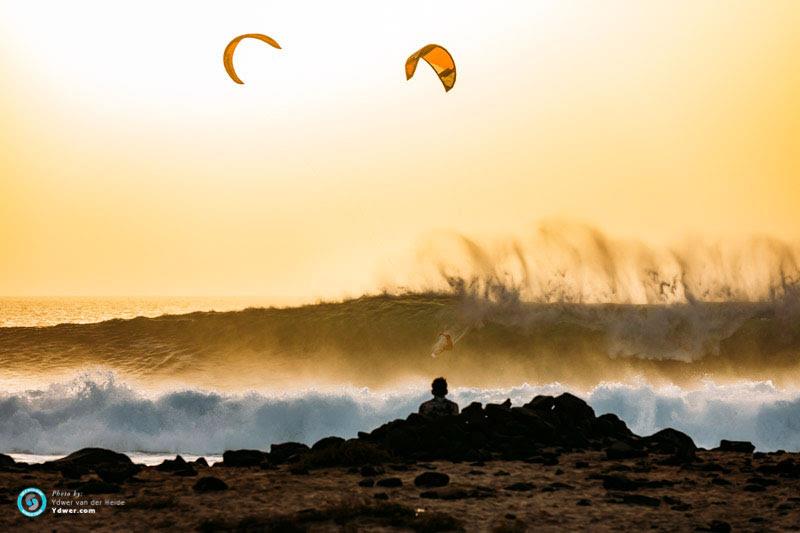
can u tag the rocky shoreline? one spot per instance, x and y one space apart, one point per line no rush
550 464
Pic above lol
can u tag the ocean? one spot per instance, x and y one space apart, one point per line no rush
196 376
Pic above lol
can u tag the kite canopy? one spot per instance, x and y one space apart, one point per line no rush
439 59
227 56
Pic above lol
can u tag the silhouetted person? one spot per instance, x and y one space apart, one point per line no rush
439 405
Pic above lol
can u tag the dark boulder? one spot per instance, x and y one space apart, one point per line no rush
189 471
201 461
171 465
390 482
244 458
114 473
612 482
6 461
610 426
473 413
622 450
327 442
210 484
571 410
371 471
90 458
112 465
281 453
739 446
431 479
670 441
543 404
521 487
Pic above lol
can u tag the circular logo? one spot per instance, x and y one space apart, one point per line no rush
31 502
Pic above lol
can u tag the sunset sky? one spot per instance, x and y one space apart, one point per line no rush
130 164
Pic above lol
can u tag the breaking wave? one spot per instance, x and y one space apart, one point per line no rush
100 411
383 340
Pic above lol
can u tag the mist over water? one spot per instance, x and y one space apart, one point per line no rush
568 262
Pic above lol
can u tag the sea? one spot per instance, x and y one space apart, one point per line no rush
155 377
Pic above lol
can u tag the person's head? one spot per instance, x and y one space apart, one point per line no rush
439 387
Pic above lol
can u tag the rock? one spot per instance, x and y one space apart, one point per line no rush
671 441
6 461
299 471
431 479
171 465
581 464
189 471
114 473
501 473
447 494
584 502
739 446
367 483
521 487
754 488
371 471
473 413
281 453
201 461
87 459
622 450
390 482
609 425
720 481
381 496
244 458
327 442
210 484
543 404
787 468
552 487
718 526
111 466
571 409
764 482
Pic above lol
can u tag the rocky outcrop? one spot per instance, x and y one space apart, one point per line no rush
738 446
110 466
502 431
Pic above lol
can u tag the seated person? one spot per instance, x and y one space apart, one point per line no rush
439 405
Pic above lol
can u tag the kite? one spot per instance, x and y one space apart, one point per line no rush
439 59
227 56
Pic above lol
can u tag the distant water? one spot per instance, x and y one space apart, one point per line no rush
50 311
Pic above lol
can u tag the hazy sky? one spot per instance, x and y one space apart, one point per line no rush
130 163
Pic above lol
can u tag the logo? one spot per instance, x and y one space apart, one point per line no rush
31 502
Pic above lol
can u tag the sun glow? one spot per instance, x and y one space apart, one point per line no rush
131 164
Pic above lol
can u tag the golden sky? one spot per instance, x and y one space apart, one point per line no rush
130 164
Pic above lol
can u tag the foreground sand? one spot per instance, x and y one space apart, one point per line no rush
725 489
